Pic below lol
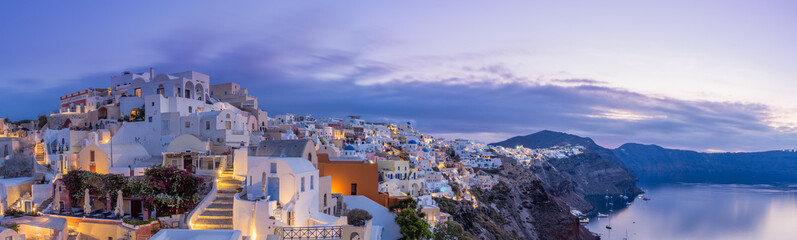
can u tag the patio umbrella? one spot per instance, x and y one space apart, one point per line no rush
86 202
57 200
119 211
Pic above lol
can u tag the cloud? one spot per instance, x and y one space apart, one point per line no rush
461 95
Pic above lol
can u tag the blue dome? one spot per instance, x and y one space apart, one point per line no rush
349 148
412 142
425 150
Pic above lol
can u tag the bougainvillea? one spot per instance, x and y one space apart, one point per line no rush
175 187
164 187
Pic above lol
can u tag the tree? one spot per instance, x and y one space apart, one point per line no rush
404 203
358 217
411 220
412 226
451 230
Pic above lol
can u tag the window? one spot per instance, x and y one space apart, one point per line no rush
325 199
312 178
207 125
153 104
187 124
353 189
189 109
302 184
150 119
91 156
138 92
273 167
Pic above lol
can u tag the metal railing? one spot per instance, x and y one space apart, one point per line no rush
314 233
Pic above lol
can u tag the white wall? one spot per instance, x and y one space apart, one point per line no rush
41 192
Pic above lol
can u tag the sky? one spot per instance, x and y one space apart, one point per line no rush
700 75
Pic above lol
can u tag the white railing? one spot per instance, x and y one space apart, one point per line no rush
194 215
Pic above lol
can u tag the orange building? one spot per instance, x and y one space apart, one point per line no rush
353 178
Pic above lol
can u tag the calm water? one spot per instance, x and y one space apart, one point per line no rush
705 211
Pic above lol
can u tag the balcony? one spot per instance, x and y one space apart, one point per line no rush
328 232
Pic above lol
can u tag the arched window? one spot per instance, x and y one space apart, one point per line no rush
228 115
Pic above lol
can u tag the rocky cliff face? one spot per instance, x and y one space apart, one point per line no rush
596 172
518 207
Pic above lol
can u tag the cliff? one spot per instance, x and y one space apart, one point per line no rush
518 207
596 172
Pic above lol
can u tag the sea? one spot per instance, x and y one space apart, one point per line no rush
686 211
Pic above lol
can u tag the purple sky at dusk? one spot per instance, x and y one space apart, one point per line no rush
701 75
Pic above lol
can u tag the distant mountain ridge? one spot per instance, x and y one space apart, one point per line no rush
657 164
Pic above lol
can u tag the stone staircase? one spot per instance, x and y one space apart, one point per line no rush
39 153
218 215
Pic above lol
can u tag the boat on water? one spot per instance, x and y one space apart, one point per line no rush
601 215
646 199
608 226
584 220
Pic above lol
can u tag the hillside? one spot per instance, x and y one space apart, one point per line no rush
518 207
656 164
596 172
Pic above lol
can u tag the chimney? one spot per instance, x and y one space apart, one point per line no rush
151 73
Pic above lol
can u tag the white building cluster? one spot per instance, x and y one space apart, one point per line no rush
274 177
535 156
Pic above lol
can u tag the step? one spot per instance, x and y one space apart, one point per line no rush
219 214
211 227
202 226
222 201
229 194
219 206
209 222
229 180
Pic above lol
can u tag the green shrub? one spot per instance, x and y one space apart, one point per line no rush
12 226
358 217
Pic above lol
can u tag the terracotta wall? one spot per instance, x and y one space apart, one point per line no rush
345 173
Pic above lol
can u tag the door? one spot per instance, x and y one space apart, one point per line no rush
135 208
353 189
188 163
273 188
92 162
